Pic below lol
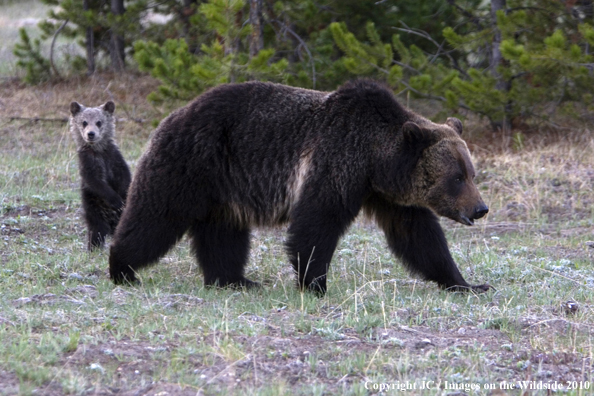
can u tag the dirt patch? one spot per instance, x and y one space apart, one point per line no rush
162 389
27 210
52 100
24 219
39 228
305 359
9 383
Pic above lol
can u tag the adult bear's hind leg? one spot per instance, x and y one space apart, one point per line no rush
139 241
222 251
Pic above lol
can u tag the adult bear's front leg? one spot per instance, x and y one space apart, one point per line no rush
415 236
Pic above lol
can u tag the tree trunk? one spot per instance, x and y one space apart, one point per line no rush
116 50
496 61
587 7
256 39
496 57
185 12
90 44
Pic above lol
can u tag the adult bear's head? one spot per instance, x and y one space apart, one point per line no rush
432 168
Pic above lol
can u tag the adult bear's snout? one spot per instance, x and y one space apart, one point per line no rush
480 211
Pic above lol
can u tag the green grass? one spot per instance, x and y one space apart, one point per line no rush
66 329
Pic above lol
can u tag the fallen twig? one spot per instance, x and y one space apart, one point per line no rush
38 119
52 48
65 119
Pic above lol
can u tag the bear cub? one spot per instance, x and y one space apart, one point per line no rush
105 176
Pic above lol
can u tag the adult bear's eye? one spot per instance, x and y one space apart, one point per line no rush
85 124
459 179
98 124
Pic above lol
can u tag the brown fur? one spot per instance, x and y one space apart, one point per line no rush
253 154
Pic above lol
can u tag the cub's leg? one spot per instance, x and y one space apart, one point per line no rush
98 226
98 229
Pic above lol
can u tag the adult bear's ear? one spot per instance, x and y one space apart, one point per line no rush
109 107
417 137
411 131
75 108
455 124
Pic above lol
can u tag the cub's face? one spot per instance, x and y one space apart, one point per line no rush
451 191
92 123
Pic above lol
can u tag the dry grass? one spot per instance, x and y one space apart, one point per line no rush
543 183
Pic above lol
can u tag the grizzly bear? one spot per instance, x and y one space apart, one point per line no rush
257 154
105 176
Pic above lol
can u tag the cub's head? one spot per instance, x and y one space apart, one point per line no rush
92 126
444 173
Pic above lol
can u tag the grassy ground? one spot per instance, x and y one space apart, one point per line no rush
66 329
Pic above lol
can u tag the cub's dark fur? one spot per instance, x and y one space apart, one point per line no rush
105 176
254 154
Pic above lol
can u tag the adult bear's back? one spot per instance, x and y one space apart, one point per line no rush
240 144
240 111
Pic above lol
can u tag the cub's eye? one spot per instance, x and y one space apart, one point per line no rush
98 124
459 179
85 124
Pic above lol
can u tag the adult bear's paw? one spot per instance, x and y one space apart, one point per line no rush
470 288
123 277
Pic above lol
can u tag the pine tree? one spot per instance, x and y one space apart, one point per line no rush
37 67
521 61
540 67
299 32
101 27
225 59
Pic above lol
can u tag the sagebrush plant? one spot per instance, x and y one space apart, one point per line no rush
66 329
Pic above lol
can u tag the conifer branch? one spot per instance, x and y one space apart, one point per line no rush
284 27
475 20
440 51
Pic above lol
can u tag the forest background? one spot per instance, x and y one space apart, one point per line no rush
506 61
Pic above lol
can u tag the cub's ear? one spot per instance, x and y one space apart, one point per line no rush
109 107
455 124
75 108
